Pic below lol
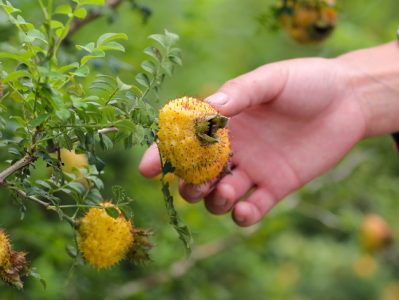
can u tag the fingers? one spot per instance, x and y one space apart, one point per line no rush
150 165
229 190
193 193
259 86
254 208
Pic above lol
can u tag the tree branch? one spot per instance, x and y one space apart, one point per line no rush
45 204
26 160
90 17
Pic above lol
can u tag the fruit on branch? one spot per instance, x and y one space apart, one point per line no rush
308 22
193 137
103 239
13 265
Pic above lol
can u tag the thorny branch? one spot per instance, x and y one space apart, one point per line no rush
45 204
90 17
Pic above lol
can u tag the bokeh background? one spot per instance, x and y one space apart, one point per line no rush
312 246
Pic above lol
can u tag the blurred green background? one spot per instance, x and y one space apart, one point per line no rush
308 248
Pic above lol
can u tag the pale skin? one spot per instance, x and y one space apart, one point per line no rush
292 121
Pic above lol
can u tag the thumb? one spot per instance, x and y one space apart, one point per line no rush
256 87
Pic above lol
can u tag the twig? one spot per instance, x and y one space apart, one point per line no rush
105 130
45 204
26 160
90 17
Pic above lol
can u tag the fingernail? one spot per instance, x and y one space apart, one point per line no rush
218 99
194 191
219 200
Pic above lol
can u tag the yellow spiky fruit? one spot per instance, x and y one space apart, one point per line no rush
103 239
193 140
309 22
4 249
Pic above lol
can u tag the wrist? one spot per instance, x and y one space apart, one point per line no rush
374 83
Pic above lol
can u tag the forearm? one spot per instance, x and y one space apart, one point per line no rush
374 78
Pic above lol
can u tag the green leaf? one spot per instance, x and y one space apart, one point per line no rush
168 168
63 114
149 66
16 57
68 142
126 125
95 2
171 38
95 53
71 250
81 13
77 187
82 71
69 67
15 75
139 135
119 193
112 212
21 131
109 113
168 67
176 60
109 37
127 212
122 86
105 142
17 97
160 39
81 136
39 120
175 52
89 47
63 9
16 152
143 79
128 142
62 32
37 35
20 120
54 98
112 46
56 24
154 52
99 165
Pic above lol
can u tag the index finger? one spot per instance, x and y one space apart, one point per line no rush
150 165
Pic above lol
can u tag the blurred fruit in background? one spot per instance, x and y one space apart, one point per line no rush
375 233
71 159
308 22
365 265
391 291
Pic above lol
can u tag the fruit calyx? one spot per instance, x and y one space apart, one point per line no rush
207 127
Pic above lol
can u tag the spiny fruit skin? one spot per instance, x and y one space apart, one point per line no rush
5 248
309 22
195 161
103 239
13 265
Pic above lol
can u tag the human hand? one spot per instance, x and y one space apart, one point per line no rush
291 122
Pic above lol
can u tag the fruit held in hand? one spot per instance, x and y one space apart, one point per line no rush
193 137
103 239
308 22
